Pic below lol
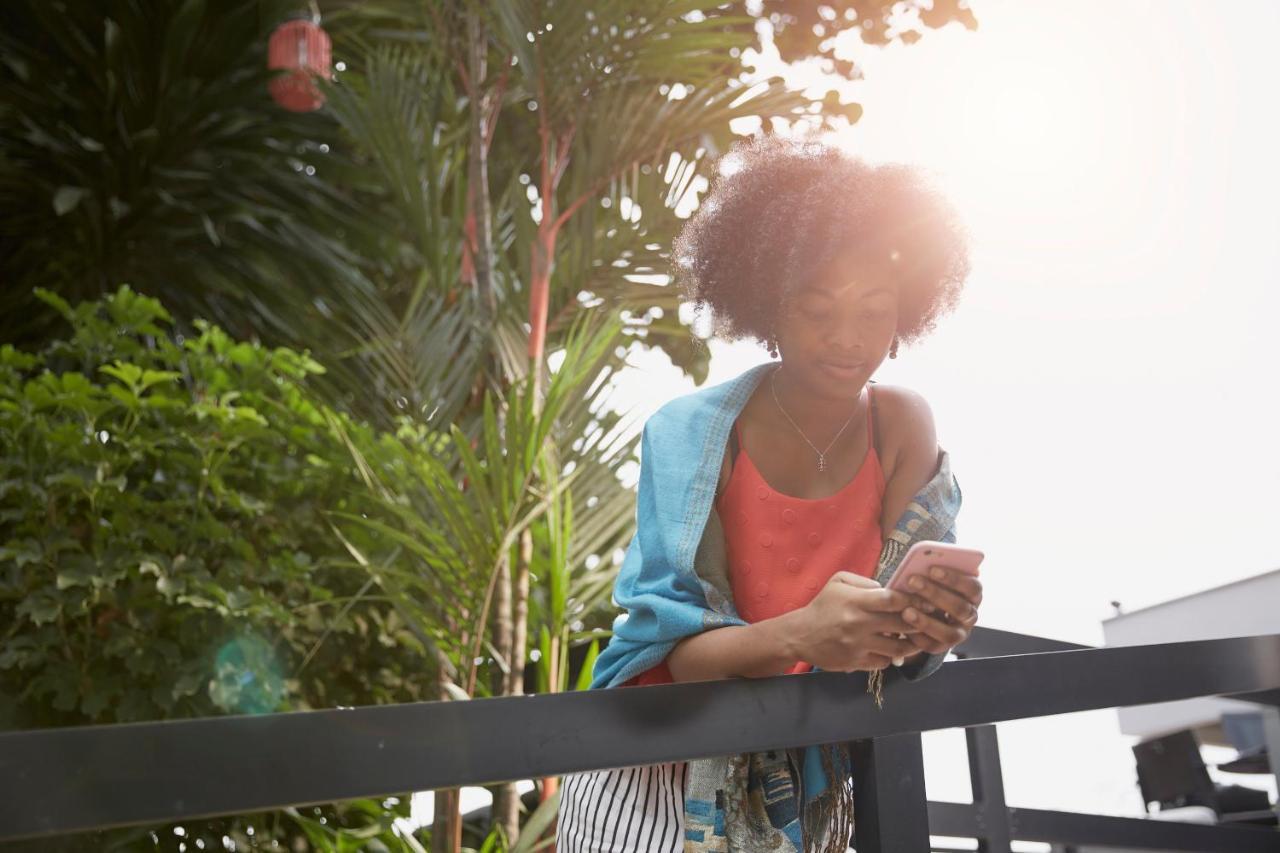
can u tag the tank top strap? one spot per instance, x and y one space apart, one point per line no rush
872 438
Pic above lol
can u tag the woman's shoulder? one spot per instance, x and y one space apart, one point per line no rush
908 435
901 402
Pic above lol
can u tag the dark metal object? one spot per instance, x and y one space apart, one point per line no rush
960 819
987 782
77 779
890 812
992 642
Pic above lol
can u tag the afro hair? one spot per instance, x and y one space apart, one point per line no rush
780 210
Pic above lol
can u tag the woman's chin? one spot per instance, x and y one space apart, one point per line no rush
836 384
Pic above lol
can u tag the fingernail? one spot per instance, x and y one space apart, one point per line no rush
909 615
898 661
937 572
916 583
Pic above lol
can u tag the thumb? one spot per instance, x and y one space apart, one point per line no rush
853 579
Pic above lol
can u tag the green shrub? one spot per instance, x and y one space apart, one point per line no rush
164 545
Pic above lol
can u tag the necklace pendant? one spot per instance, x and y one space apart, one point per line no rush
822 462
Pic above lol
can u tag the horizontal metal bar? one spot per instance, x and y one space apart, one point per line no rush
75 779
1262 697
984 642
960 820
1145 833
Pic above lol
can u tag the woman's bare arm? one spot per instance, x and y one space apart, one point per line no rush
910 444
758 650
910 441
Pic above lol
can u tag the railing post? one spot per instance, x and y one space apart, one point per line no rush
1271 736
891 811
987 782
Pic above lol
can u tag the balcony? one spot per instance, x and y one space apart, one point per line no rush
76 780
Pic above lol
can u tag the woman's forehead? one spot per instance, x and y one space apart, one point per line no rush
854 273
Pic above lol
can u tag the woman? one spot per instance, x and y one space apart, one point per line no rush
774 507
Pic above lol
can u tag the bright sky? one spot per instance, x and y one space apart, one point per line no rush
1106 386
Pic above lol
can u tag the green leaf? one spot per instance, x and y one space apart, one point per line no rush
189 684
169 587
75 576
128 374
155 377
124 395
588 667
67 199
40 608
537 824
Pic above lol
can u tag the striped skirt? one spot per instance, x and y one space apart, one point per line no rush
624 810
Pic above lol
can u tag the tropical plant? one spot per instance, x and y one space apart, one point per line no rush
166 543
138 144
572 217
484 175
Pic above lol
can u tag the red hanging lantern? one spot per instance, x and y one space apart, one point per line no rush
301 46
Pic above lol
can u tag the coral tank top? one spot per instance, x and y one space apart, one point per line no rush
782 549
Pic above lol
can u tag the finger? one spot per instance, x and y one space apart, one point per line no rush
923 604
933 627
924 643
969 587
944 598
965 585
890 646
857 580
891 623
885 600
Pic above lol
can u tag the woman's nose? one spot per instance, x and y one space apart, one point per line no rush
844 341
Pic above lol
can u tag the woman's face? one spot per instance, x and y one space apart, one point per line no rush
837 327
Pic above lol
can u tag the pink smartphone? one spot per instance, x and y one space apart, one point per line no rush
925 554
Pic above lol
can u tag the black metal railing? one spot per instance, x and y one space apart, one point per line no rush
69 780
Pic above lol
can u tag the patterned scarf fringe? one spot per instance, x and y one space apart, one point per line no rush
828 822
875 682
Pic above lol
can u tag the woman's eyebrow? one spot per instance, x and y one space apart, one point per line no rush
833 292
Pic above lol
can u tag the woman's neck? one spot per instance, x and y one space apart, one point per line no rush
818 416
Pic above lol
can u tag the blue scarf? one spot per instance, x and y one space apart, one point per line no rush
674 583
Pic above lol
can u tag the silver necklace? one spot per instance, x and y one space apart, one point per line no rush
822 454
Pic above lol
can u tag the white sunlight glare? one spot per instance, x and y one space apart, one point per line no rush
1107 386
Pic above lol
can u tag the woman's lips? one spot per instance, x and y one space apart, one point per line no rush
840 370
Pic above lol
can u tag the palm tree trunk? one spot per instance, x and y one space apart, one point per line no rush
510 638
520 608
506 801
446 821
505 811
478 220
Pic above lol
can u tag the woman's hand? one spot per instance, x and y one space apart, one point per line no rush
853 624
944 609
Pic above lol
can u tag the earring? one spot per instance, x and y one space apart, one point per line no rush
893 348
772 344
